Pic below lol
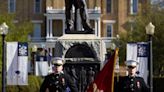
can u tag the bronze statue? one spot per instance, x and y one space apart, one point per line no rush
91 75
81 5
82 80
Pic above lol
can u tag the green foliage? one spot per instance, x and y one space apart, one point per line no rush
17 31
158 84
20 33
121 44
33 86
138 34
4 18
157 18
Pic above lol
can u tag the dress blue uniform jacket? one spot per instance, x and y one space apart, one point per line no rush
131 84
58 83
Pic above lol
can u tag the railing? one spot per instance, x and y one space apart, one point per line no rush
44 39
38 39
79 59
52 10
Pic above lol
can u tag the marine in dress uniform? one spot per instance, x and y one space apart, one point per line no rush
131 83
58 81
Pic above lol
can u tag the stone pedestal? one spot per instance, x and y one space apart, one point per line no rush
84 55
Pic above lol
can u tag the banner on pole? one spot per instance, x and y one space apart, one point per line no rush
39 70
139 52
17 63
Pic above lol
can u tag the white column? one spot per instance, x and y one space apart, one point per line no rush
96 27
131 6
47 31
50 51
63 20
99 28
51 34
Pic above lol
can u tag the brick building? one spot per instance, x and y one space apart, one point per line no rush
107 17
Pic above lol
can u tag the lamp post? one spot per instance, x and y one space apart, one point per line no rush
3 32
150 32
34 50
118 44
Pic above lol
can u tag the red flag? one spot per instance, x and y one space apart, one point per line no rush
104 81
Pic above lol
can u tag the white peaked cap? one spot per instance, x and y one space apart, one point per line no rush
57 60
131 63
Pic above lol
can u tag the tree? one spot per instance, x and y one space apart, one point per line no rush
155 15
17 31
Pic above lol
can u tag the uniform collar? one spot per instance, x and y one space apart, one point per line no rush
60 72
131 76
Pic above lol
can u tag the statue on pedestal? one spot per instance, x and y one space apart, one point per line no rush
82 80
71 25
91 75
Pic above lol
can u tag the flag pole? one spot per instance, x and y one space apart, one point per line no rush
117 67
115 58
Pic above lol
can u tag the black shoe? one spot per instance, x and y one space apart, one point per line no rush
89 31
69 30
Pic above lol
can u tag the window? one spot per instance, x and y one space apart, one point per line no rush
37 30
37 6
11 6
133 6
109 30
108 6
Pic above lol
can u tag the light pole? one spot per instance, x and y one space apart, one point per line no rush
34 50
117 41
150 32
3 32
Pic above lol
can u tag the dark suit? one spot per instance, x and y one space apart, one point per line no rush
131 84
58 83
